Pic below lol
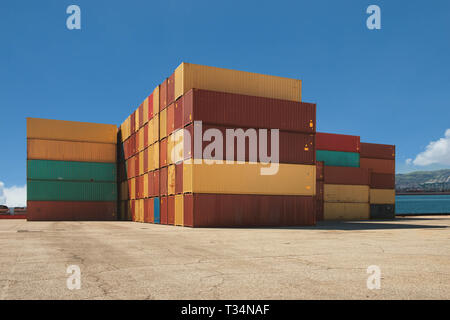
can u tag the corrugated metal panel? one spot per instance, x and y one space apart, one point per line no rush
163 209
156 127
69 170
163 124
149 209
133 123
378 165
248 112
145 110
163 95
171 89
337 142
136 165
319 210
338 158
382 211
131 167
145 193
346 175
163 153
293 147
382 181
45 190
156 210
377 151
146 160
132 187
47 129
246 178
163 181
170 123
320 190
320 170
141 115
179 210
188 76
70 211
156 147
71 151
346 211
171 210
170 149
150 130
179 178
136 119
155 183
141 140
382 196
178 114
146 137
155 106
346 193
232 210
141 163
171 179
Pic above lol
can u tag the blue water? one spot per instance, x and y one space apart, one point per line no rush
422 204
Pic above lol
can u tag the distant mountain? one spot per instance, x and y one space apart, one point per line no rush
433 181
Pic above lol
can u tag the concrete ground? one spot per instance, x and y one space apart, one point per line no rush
127 260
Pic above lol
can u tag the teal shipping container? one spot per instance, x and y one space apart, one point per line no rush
338 158
156 211
45 190
71 171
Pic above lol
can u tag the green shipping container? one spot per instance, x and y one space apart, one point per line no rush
71 171
46 190
338 158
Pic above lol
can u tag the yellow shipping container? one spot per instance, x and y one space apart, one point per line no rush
189 76
136 120
156 127
170 145
47 129
156 155
133 189
150 132
141 163
163 124
346 211
70 151
140 210
145 110
346 193
382 196
246 178
179 210
178 146
145 193
171 179
156 101
141 139
150 158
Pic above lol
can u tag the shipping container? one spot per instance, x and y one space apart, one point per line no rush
178 114
377 151
178 146
382 211
382 196
133 210
256 146
156 163
71 170
346 175
338 158
320 167
171 179
150 185
145 193
170 122
179 178
71 151
249 178
171 89
141 163
163 209
156 210
179 210
146 137
145 111
320 190
133 123
136 165
171 210
149 209
248 112
141 139
163 124
132 187
46 129
71 211
189 76
156 183
337 142
163 153
233 210
163 181
124 193
150 132
346 211
346 193
319 210
141 115
131 167
378 165
170 149
163 95
146 160
382 181
156 127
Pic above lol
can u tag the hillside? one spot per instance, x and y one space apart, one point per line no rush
438 180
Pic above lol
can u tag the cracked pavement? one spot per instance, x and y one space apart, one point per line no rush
129 260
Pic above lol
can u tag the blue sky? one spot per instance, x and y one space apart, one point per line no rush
388 86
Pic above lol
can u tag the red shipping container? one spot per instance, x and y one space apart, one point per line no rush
163 181
149 178
163 210
137 186
294 147
133 210
171 89
163 95
320 190
243 111
133 122
377 151
346 175
171 210
178 114
146 144
378 165
319 210
155 188
136 164
382 181
71 210
148 210
163 153
179 178
146 160
141 115
232 210
337 142
320 170
170 118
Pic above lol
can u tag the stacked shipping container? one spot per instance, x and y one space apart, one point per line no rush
71 170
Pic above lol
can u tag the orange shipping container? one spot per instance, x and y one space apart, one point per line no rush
141 163
171 179
179 210
163 124
70 151
145 182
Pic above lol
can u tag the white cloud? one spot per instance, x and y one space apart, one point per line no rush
437 152
408 161
14 196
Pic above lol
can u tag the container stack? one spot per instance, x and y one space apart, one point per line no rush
197 104
71 170
380 160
